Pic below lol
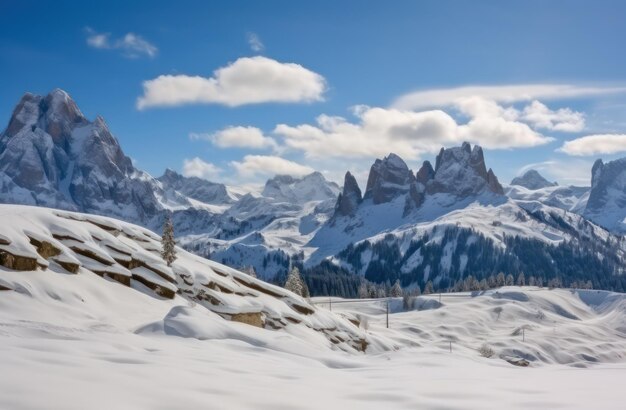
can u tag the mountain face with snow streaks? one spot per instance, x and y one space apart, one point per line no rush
432 224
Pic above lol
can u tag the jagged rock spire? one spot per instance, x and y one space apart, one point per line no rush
350 198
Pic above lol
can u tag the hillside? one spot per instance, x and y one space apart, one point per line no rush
86 264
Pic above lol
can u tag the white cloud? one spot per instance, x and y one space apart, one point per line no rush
196 167
255 43
131 44
409 134
239 137
249 80
265 165
500 93
563 119
595 144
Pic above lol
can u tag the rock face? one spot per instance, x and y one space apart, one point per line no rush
532 180
195 188
349 200
425 173
388 179
312 187
51 155
461 171
607 198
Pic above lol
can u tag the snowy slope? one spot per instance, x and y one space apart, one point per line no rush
47 256
77 341
570 198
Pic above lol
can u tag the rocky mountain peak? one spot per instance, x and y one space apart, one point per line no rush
62 160
350 198
606 205
461 171
56 114
425 173
195 188
388 178
532 180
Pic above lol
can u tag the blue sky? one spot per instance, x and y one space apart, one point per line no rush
337 81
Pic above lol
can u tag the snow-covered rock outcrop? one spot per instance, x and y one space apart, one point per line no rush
46 241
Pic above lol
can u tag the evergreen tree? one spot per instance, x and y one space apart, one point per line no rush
168 253
428 289
363 291
295 283
396 290
509 280
521 279
500 280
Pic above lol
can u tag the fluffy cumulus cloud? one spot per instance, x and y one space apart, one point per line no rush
131 45
409 134
248 80
255 43
196 167
595 144
501 93
563 119
254 166
238 137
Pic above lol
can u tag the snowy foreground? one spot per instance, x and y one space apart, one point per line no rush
92 339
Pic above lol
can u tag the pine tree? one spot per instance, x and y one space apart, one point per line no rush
396 290
168 253
509 280
500 280
428 289
521 279
296 284
363 291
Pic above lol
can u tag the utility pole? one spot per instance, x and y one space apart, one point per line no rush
387 313
523 335
330 303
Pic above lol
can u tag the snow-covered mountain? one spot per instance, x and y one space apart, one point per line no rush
533 187
606 205
196 188
438 223
312 187
51 155
533 180
445 223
